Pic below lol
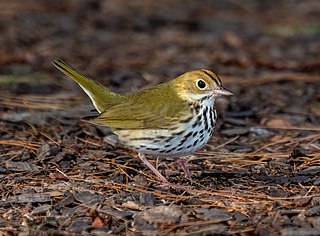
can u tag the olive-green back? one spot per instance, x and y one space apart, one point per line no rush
155 107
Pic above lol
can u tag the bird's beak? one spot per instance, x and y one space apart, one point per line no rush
222 91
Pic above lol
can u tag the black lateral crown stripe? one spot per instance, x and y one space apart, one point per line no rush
220 83
217 80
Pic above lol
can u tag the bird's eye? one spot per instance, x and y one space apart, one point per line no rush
201 84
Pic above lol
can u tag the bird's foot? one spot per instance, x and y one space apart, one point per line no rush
151 167
183 165
166 183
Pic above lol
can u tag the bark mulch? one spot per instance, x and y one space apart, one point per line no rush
258 175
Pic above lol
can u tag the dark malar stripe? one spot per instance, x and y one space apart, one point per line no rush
204 98
197 108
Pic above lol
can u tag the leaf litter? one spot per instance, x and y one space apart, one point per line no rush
258 175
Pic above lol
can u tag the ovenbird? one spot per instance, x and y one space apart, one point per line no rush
172 119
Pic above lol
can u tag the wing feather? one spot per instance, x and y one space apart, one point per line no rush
157 107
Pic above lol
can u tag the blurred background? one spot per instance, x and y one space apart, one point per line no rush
266 52
131 44
119 39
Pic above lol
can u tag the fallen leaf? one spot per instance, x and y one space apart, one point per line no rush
275 123
97 222
57 176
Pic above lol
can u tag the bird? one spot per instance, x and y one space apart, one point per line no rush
172 119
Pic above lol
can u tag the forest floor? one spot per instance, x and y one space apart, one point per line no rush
258 175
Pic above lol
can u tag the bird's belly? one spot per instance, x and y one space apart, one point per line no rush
163 142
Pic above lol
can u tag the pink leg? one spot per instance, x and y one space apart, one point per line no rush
151 167
183 165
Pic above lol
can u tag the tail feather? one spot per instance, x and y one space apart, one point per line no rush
101 97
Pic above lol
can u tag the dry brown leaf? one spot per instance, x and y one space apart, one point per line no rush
276 123
57 176
97 222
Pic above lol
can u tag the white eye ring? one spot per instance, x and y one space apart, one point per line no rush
201 84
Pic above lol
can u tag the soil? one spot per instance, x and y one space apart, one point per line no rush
258 175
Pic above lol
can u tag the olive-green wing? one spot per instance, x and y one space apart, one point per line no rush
151 108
